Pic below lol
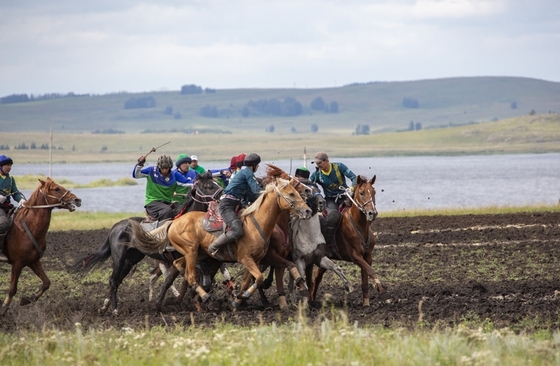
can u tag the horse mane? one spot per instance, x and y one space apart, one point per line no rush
273 171
269 187
33 198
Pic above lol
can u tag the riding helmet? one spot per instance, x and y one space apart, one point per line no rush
5 160
165 161
251 160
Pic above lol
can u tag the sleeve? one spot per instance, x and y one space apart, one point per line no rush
254 188
348 173
138 172
17 196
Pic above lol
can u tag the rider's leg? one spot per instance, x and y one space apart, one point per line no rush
227 237
333 217
4 226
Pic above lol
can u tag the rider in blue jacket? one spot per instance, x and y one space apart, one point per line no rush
242 187
8 188
331 176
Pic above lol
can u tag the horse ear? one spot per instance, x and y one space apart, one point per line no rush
42 181
373 179
361 179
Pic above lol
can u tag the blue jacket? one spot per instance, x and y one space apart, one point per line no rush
244 186
8 188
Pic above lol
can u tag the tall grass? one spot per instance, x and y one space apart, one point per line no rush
329 342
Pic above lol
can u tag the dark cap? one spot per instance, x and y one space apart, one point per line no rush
302 172
320 156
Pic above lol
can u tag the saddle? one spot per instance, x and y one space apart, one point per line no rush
213 221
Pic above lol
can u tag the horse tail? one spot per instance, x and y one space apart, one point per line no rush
149 242
89 262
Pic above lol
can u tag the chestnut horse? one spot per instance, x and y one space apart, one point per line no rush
189 237
354 239
25 243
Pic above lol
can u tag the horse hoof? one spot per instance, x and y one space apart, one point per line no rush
205 297
25 301
304 293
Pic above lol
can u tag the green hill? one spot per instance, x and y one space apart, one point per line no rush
378 105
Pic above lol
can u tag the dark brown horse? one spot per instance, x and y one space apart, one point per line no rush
25 242
354 239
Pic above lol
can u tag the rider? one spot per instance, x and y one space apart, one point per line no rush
8 188
194 165
160 186
330 176
185 177
302 174
238 164
243 186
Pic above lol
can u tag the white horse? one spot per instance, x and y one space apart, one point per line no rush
309 247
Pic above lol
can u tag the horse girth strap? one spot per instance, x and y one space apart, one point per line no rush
39 250
259 229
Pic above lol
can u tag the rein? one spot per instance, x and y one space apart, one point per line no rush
50 205
290 203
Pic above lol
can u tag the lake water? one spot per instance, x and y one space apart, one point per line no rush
403 183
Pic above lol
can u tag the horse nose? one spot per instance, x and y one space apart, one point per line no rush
78 201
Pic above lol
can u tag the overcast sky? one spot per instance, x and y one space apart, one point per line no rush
105 46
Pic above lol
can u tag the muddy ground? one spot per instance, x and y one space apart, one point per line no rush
501 270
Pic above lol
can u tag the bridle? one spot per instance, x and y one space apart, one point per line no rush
359 206
204 198
291 203
60 202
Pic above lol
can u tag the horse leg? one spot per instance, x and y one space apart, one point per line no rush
328 264
16 272
300 266
156 273
279 271
318 278
367 271
264 299
309 280
253 268
37 268
120 271
167 283
164 267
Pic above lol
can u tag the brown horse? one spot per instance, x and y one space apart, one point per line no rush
25 242
354 239
189 237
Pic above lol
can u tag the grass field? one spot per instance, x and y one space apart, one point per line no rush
528 134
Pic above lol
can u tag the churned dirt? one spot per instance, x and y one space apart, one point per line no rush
439 271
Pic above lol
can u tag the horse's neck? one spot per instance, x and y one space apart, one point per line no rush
305 234
37 220
268 212
358 217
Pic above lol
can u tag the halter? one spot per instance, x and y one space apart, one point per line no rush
60 203
360 207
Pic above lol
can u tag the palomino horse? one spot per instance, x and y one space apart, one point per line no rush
119 243
189 237
25 242
354 239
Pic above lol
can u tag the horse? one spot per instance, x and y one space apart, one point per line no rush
309 246
188 235
280 246
125 256
354 240
25 242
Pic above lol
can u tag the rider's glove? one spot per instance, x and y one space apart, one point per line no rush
22 202
2 198
141 160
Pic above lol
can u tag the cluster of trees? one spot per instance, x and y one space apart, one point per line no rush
362 130
289 107
22 98
169 112
209 111
195 89
5 147
414 126
319 104
141 102
32 146
410 103
108 131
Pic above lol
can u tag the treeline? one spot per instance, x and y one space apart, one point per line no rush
32 146
22 98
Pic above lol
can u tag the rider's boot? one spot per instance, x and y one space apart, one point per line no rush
329 235
218 243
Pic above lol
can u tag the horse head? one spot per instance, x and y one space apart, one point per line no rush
206 189
289 198
364 197
54 195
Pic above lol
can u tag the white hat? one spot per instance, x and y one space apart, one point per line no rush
194 157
